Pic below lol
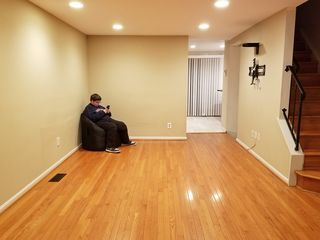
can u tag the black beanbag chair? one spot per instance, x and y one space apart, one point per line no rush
93 136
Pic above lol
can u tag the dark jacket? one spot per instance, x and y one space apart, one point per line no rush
94 115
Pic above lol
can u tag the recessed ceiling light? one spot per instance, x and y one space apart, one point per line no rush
76 4
221 3
222 46
192 46
204 26
117 26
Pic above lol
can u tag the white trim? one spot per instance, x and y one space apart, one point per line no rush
288 137
19 194
206 56
264 162
297 157
157 138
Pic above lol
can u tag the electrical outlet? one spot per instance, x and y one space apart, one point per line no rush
58 141
169 125
252 133
255 134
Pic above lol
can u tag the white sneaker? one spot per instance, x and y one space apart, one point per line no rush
131 143
113 150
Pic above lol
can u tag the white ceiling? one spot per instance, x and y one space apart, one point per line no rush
167 17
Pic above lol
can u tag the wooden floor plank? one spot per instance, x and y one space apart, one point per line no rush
207 187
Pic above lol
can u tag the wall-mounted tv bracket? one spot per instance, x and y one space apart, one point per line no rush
255 71
255 45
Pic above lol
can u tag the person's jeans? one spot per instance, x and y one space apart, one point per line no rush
116 132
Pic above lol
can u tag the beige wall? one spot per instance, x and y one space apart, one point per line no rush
259 106
191 53
144 79
43 89
229 115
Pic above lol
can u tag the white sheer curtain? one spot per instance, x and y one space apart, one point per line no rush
204 79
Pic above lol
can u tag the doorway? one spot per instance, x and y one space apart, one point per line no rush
204 97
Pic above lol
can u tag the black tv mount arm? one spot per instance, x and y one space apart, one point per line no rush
255 45
256 70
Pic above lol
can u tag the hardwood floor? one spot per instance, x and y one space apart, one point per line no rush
207 187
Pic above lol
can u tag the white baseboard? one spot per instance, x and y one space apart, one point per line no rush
19 194
157 138
264 162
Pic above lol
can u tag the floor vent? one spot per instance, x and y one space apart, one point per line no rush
57 177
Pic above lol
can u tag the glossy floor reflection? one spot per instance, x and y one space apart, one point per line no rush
207 187
204 125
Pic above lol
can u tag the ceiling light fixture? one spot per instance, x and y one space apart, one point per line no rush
117 26
76 4
193 46
204 26
221 3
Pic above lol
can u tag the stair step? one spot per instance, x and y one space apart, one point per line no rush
309 79
300 46
310 133
308 67
308 123
309 108
311 160
312 93
309 174
309 180
308 52
302 56
312 152
310 140
298 36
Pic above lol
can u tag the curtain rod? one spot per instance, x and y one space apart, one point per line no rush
206 56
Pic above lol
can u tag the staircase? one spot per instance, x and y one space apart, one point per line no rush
309 177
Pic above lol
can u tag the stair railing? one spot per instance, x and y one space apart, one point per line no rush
295 65
296 84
